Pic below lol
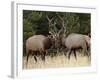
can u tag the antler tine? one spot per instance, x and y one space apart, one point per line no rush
60 30
47 18
50 20
60 17
63 26
51 31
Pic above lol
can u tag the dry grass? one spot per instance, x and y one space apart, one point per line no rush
56 62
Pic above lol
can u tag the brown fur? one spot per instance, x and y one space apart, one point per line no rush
47 43
73 42
37 46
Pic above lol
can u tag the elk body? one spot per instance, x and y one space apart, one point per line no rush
37 45
73 42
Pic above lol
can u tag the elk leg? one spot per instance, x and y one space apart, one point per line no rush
27 57
43 57
75 54
87 53
35 58
69 54
34 54
64 53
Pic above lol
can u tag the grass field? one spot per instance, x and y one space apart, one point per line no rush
57 62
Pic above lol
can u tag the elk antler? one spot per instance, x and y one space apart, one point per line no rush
50 20
62 23
51 31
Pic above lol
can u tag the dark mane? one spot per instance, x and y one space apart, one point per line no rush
47 43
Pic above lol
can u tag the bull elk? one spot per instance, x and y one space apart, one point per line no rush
72 41
37 45
76 41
